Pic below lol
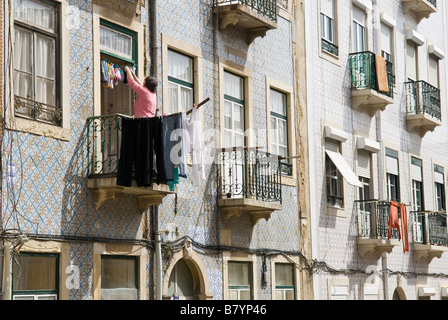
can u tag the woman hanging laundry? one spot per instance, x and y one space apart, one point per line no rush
146 103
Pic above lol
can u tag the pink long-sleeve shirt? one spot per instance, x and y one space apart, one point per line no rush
146 103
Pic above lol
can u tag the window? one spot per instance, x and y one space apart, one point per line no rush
284 281
386 42
233 110
35 276
433 71
180 82
417 184
239 275
411 61
364 173
118 47
181 281
392 175
339 293
359 30
328 26
439 186
279 124
335 194
36 61
119 278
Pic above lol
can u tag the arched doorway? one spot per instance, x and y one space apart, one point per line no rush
187 277
181 283
399 294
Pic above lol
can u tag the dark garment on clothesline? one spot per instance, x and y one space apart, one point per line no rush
139 142
169 143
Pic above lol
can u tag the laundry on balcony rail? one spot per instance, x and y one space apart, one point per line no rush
158 147
394 223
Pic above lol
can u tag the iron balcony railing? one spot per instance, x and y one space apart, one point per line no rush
330 47
267 8
363 72
430 228
373 219
423 98
433 2
103 144
250 173
38 111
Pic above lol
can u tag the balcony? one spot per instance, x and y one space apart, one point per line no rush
249 182
430 234
421 8
373 227
367 93
423 106
256 17
103 150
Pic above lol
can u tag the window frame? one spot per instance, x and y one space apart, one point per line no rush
439 188
43 292
417 189
324 20
392 180
136 261
234 101
120 29
182 83
279 118
283 289
330 167
240 288
56 35
358 26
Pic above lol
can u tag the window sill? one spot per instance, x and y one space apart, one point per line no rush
336 212
38 128
330 57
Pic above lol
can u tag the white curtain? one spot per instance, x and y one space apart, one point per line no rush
35 13
116 42
180 66
23 63
45 70
233 86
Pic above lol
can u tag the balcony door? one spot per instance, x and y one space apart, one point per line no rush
117 50
234 157
364 173
417 199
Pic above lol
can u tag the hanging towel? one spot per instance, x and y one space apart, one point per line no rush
393 220
381 74
404 227
192 142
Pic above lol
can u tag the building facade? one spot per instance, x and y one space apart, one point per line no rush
235 233
378 142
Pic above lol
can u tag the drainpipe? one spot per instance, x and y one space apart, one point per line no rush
2 259
158 253
155 208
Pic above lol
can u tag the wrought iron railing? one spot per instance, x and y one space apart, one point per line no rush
423 98
363 72
330 47
433 2
250 173
267 8
103 145
38 111
430 228
373 219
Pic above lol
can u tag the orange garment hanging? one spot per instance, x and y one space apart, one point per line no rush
404 227
381 74
393 220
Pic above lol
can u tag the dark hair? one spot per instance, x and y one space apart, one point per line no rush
151 83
